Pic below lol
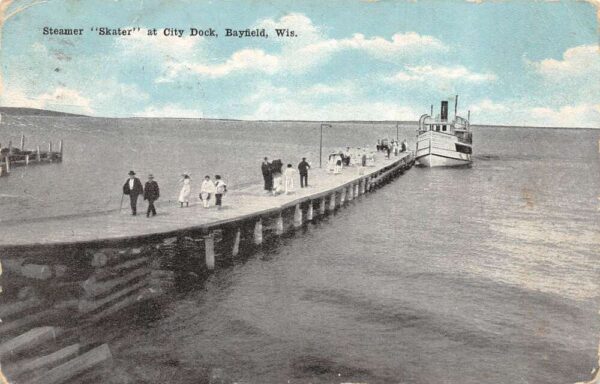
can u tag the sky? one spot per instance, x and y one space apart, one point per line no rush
511 63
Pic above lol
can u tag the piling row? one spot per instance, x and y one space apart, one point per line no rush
11 157
47 287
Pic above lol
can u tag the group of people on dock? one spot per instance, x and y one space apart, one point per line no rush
394 147
278 180
151 192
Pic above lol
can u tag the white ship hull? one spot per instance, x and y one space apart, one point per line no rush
439 149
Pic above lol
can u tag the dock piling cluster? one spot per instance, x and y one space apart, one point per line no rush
11 157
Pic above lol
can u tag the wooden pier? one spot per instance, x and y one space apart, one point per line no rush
68 272
11 157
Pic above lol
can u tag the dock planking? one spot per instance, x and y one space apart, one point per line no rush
238 205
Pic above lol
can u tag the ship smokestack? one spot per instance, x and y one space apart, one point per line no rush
431 114
455 105
444 111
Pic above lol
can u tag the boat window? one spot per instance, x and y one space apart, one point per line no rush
443 128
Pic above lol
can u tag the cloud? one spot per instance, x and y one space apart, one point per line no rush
60 98
309 49
429 73
579 115
584 115
243 60
355 110
578 61
170 110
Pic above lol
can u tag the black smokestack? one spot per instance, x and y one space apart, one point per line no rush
444 110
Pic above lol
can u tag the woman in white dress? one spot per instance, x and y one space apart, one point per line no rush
207 189
289 174
186 190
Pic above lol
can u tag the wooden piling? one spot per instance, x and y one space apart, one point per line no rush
279 225
22 142
342 196
356 190
236 242
258 235
332 202
7 162
322 206
350 193
49 147
297 216
309 211
60 149
26 159
38 156
209 251
10 149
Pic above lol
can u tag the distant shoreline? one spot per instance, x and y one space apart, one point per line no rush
17 111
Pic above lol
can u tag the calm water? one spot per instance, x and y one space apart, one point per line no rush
486 274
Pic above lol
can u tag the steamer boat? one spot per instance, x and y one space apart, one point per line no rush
444 143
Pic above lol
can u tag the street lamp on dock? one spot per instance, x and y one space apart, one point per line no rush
321 144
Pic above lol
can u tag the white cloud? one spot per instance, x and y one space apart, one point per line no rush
60 98
584 115
170 110
429 73
579 115
345 89
305 51
583 60
246 59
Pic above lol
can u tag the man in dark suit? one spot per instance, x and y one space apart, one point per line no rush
267 173
133 188
151 193
303 170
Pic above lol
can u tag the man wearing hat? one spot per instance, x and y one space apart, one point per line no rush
151 193
133 188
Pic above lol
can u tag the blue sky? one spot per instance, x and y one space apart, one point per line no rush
517 62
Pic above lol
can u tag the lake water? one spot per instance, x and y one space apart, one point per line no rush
487 274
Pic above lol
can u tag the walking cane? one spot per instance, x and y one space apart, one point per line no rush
121 205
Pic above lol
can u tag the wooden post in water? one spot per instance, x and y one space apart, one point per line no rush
209 251
342 196
297 216
350 192
258 237
236 242
38 156
7 162
26 159
309 212
279 225
60 149
50 147
22 141
356 190
332 202
322 206
10 147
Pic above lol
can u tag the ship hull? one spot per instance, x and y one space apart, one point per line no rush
437 149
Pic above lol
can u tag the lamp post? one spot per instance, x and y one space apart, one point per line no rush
396 131
321 144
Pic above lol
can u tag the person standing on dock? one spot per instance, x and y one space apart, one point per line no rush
221 188
207 189
303 168
267 173
288 176
151 193
186 190
133 188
